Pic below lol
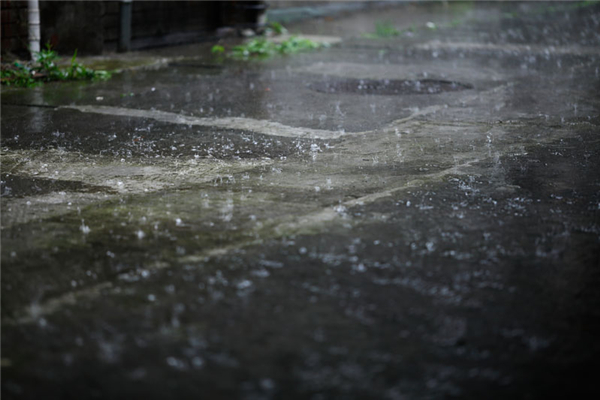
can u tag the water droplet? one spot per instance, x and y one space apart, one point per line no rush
84 228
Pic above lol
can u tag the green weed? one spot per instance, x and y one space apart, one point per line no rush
44 69
18 74
277 28
297 44
217 49
383 30
261 48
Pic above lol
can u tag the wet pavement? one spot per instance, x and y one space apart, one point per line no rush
414 217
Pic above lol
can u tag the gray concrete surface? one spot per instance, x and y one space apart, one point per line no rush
416 217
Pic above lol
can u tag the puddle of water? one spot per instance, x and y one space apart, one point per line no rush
387 87
20 186
210 69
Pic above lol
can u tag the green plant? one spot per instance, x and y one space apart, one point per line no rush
46 58
217 49
78 71
263 48
27 75
296 44
277 28
259 48
386 29
17 74
383 29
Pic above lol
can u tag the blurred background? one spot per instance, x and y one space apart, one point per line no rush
107 26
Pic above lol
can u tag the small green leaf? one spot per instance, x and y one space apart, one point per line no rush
217 49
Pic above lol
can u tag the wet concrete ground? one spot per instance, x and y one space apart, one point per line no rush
316 226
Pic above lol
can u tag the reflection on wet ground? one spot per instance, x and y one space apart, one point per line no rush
386 87
263 231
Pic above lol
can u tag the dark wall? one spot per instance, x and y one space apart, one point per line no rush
14 27
156 23
92 27
70 25
242 14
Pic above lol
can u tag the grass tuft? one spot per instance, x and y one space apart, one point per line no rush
44 69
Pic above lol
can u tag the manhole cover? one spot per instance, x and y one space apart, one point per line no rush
387 87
